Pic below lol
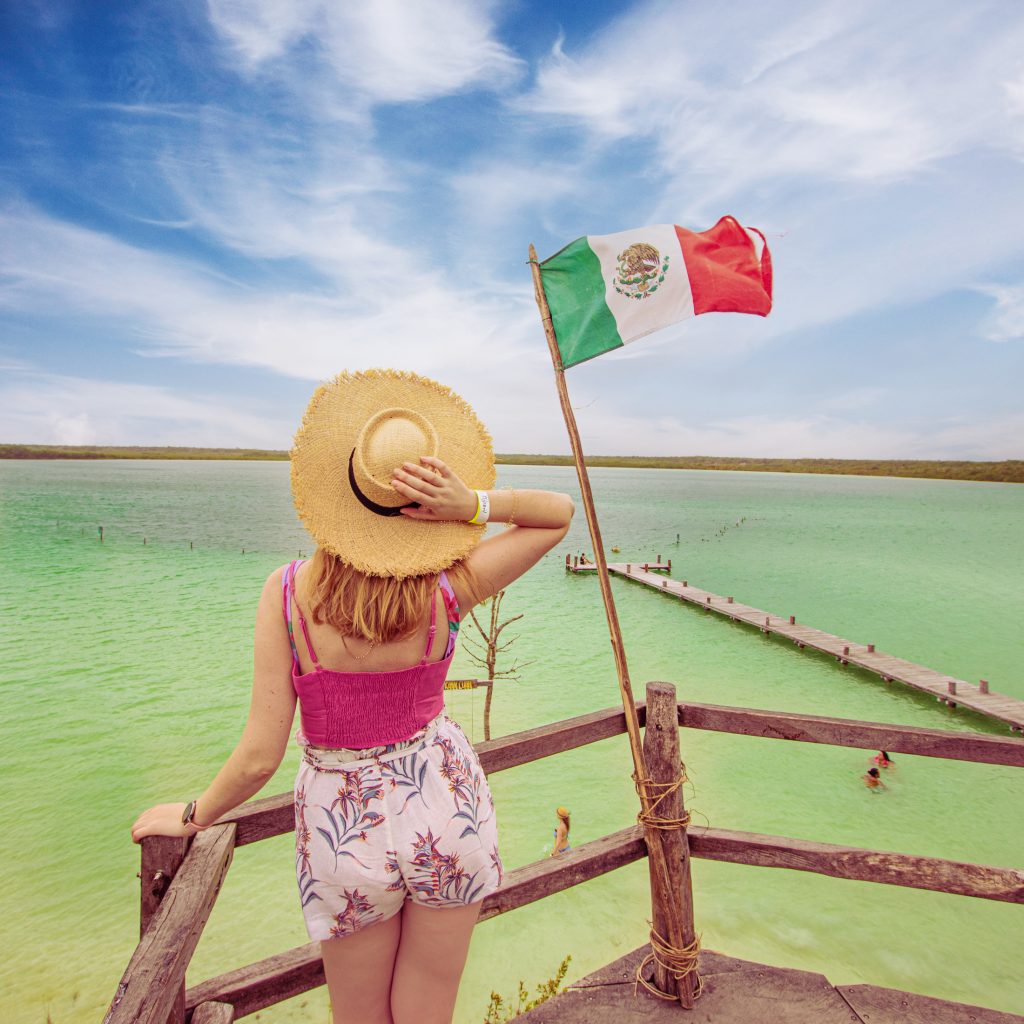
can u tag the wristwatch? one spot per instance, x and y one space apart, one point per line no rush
190 813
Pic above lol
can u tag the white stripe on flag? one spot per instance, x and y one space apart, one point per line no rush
642 307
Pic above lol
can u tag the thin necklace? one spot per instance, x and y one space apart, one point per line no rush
357 657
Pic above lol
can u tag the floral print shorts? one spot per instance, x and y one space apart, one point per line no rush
374 828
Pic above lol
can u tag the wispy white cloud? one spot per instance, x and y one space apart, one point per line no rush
37 407
390 52
844 92
172 308
1006 321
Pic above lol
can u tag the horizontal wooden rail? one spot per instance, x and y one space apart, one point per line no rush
259 985
959 879
275 815
846 732
152 980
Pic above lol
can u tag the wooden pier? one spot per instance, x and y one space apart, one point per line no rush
952 691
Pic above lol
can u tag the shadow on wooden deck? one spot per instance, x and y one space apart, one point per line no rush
743 992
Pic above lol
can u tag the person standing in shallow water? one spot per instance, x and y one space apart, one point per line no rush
873 780
396 837
561 832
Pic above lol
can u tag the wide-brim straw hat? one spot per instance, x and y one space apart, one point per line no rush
357 429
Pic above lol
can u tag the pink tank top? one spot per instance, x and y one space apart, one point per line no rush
369 709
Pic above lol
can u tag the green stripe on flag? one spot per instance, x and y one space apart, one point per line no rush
584 325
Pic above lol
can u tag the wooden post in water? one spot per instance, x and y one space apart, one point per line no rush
657 853
161 858
661 752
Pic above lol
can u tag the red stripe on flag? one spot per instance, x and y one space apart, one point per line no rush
725 273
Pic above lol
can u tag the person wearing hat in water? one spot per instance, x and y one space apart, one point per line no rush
561 832
396 839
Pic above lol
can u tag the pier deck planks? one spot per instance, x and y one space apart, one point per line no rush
892 669
740 991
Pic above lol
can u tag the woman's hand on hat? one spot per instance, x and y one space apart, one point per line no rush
441 495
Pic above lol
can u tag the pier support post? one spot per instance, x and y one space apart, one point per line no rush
661 753
982 686
161 858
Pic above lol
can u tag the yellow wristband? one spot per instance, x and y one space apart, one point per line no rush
483 508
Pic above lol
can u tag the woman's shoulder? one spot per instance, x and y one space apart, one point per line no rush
275 581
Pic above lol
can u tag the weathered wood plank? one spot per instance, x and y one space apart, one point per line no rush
213 1013
257 986
846 732
554 874
161 858
150 983
981 880
274 815
262 984
533 744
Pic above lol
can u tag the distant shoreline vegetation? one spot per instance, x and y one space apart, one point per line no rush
1007 471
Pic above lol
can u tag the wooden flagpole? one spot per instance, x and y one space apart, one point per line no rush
660 874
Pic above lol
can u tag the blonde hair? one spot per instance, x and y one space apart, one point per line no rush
377 608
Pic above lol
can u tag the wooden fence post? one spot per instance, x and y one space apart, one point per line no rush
661 752
161 858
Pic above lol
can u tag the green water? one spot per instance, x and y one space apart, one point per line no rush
126 674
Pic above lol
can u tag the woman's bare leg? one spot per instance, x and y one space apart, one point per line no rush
430 959
359 969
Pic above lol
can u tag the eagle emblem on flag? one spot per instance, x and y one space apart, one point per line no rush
639 271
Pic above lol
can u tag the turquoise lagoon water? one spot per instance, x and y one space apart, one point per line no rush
125 676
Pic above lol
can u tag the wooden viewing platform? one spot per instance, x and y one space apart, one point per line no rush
946 688
181 879
740 990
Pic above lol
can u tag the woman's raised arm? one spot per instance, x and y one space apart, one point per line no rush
540 520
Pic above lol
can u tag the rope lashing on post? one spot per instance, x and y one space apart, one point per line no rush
646 785
677 962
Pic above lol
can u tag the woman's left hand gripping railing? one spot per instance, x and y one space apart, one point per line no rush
180 882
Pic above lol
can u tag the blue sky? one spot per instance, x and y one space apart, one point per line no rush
209 207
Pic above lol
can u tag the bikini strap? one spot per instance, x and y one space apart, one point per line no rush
451 611
286 609
433 626
302 623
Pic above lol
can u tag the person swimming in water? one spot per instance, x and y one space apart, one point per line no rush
883 760
873 780
561 833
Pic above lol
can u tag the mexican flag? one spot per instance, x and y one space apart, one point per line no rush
605 291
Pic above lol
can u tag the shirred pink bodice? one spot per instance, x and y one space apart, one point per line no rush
368 709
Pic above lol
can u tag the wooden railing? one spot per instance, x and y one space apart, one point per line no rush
180 882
